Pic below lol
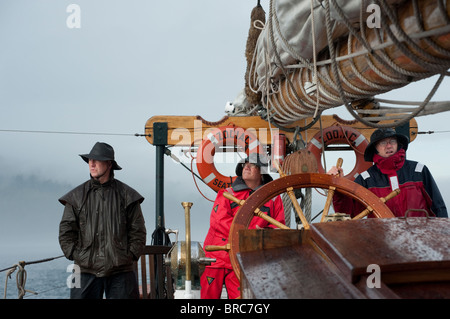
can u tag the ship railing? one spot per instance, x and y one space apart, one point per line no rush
155 278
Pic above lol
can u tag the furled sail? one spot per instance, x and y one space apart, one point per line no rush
313 55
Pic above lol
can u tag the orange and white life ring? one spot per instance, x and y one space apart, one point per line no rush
338 134
223 136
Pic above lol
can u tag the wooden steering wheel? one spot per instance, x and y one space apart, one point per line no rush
250 207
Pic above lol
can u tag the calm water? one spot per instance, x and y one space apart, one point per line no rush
47 279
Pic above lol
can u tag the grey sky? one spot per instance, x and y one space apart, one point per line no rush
129 61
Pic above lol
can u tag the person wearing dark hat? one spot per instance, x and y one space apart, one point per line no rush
419 194
250 176
103 230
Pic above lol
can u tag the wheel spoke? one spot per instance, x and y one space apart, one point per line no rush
330 194
290 192
257 211
369 209
328 203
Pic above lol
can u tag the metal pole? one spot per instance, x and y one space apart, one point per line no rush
159 196
187 207
160 141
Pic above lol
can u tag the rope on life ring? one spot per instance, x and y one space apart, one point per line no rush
223 136
338 134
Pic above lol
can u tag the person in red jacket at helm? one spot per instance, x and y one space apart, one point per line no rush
250 176
419 194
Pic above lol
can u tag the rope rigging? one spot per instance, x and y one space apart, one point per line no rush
292 91
21 276
70 133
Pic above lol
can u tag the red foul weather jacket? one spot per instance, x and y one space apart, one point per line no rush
418 190
222 216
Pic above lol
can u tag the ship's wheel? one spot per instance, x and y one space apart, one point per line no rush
250 207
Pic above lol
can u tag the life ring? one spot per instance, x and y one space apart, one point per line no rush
223 136
338 134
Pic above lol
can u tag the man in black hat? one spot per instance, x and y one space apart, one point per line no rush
250 176
102 230
419 194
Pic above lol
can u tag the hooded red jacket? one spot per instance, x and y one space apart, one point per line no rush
222 216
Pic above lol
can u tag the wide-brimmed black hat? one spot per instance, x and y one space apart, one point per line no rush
260 161
101 152
380 134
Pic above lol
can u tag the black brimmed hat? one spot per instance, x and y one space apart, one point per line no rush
259 160
381 134
101 152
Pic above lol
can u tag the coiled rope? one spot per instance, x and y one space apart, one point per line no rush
290 106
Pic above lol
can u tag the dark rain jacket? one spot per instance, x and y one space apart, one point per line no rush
102 228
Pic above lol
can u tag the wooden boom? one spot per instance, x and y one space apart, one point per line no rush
190 130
